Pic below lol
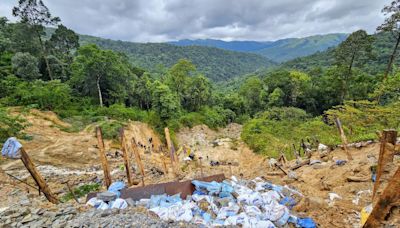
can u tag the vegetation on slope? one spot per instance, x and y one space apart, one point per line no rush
214 63
279 106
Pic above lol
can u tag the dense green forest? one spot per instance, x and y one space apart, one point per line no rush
85 81
214 63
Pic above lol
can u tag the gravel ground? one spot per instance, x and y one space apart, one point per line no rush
130 217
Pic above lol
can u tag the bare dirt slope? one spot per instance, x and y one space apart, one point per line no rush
60 156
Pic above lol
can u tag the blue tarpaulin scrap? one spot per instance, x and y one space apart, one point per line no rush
116 187
306 223
11 148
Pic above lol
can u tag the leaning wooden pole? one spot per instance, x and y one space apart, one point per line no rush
125 156
37 177
343 137
386 155
138 159
103 158
388 199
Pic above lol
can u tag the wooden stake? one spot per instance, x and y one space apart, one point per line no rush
389 198
386 154
125 156
171 148
201 167
343 137
37 177
103 158
138 159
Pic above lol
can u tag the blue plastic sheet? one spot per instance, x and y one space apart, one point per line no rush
11 148
116 187
340 162
288 202
211 187
306 223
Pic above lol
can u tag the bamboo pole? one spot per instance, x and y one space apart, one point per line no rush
37 177
343 137
138 159
103 158
125 156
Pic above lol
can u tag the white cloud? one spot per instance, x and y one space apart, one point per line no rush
163 20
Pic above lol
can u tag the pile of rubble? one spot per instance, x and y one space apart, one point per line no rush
255 203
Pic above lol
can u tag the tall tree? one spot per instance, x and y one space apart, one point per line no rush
178 77
37 15
101 73
165 102
62 43
391 24
355 49
198 93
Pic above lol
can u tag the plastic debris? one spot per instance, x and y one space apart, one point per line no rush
116 187
11 148
365 212
322 147
119 203
306 223
340 162
107 196
257 203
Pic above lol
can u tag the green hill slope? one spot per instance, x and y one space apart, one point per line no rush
216 64
287 49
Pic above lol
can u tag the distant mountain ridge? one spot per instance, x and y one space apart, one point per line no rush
278 51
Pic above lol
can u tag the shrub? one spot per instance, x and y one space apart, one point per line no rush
10 126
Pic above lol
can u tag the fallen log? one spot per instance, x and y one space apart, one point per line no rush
358 179
303 163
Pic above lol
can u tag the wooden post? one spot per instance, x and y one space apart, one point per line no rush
103 158
388 199
37 177
125 156
201 167
138 159
386 154
171 148
343 137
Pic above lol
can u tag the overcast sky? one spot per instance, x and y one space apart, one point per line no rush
165 20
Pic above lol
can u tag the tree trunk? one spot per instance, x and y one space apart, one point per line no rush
44 55
99 90
392 57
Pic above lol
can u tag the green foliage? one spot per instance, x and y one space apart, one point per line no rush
25 66
101 74
111 128
275 131
214 63
165 102
10 126
80 191
49 95
362 119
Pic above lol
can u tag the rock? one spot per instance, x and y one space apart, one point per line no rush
27 219
130 202
106 196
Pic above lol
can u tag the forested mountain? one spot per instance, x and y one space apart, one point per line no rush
244 46
382 48
214 63
278 51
